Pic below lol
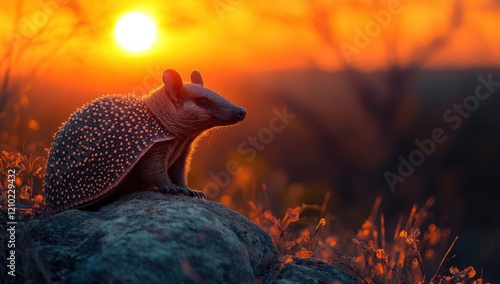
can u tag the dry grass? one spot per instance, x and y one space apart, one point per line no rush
370 255
30 171
29 175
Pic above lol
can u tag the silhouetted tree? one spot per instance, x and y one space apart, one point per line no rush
381 100
39 31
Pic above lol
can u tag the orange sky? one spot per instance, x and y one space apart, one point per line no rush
224 37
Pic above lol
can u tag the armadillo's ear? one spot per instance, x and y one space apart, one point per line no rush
196 78
173 84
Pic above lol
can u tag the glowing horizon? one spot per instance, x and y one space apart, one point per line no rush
247 37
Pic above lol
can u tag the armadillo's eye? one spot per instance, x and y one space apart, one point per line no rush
202 102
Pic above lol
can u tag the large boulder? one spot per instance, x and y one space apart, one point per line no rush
150 237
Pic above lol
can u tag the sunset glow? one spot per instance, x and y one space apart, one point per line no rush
135 32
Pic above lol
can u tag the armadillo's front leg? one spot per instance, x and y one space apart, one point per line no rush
177 182
154 172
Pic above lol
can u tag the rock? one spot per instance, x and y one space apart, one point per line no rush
149 237
313 271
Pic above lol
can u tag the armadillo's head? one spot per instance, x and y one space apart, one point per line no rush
195 108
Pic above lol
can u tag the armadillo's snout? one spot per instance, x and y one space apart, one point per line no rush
232 115
240 113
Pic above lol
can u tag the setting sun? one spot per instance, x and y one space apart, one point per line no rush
135 32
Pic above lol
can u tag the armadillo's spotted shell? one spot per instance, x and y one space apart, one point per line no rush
95 149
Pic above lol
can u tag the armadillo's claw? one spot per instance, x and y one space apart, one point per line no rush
199 194
172 189
177 190
196 193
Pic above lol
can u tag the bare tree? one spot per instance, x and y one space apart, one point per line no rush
381 104
35 37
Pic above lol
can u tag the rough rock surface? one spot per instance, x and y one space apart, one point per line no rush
313 271
149 237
